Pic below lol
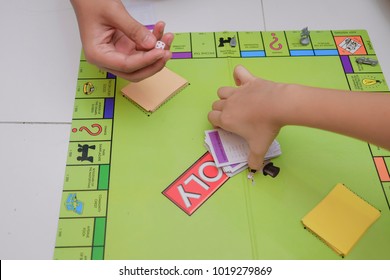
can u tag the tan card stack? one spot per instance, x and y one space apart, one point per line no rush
154 91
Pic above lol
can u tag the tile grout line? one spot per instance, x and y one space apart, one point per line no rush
263 12
34 123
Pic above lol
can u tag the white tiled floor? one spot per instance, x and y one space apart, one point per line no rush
39 53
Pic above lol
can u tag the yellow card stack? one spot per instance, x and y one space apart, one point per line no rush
341 219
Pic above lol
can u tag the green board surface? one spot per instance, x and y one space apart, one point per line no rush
124 166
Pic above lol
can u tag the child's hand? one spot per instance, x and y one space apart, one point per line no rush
250 111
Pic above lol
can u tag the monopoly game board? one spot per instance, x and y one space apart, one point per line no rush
141 185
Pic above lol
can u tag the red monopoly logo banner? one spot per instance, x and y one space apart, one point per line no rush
196 184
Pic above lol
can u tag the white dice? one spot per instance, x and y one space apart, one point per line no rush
160 45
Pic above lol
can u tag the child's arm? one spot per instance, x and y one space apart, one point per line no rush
257 109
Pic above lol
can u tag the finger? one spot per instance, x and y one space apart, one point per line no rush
225 92
241 75
255 162
121 62
167 38
257 153
214 118
143 73
218 105
158 30
133 29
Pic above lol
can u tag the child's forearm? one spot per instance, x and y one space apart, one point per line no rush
361 115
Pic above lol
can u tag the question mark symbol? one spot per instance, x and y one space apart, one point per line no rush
95 125
274 41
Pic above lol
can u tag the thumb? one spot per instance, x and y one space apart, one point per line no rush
241 75
134 30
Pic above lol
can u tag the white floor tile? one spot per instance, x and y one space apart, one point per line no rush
206 16
40 53
32 168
